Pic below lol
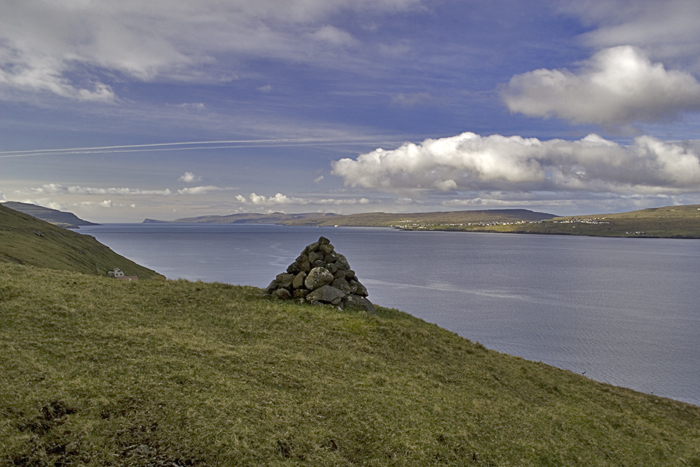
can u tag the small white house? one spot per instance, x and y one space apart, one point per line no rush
117 273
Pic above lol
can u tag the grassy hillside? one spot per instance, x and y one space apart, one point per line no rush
669 222
422 219
27 240
66 220
173 373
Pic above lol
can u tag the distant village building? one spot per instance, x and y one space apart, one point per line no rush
119 274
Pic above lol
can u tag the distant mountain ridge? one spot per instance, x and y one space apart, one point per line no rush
63 219
681 221
249 218
371 219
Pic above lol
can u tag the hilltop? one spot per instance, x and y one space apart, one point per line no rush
664 222
174 373
249 218
63 219
372 219
25 239
419 219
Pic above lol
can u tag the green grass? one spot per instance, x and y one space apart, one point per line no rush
101 372
665 222
27 240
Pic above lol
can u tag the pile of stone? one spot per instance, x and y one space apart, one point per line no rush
321 275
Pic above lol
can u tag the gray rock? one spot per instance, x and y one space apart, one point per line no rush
285 280
315 256
326 294
312 247
355 301
283 294
339 274
298 281
301 293
318 277
358 289
323 241
326 248
342 284
331 257
272 287
342 263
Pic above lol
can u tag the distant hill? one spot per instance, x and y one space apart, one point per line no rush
421 219
250 218
27 240
664 222
372 219
62 219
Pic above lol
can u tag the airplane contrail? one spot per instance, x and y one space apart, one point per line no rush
188 145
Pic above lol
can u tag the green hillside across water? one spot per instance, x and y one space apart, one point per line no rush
665 222
100 372
27 240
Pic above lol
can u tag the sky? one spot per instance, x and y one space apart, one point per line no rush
121 111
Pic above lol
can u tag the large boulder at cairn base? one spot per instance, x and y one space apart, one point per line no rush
321 275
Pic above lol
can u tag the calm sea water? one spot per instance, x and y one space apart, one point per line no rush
622 311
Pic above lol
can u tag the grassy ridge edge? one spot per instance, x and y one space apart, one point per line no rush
27 240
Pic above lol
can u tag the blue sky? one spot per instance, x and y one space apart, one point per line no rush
119 111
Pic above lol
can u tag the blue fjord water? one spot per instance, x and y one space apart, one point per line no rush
622 311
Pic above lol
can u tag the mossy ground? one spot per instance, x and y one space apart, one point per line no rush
101 372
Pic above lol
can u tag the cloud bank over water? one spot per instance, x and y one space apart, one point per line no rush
469 162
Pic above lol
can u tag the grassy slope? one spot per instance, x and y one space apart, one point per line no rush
669 222
27 240
102 372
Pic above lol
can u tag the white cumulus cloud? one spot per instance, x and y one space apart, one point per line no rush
281 199
198 190
189 177
278 199
469 162
617 86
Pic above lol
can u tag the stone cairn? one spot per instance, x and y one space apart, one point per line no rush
321 275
